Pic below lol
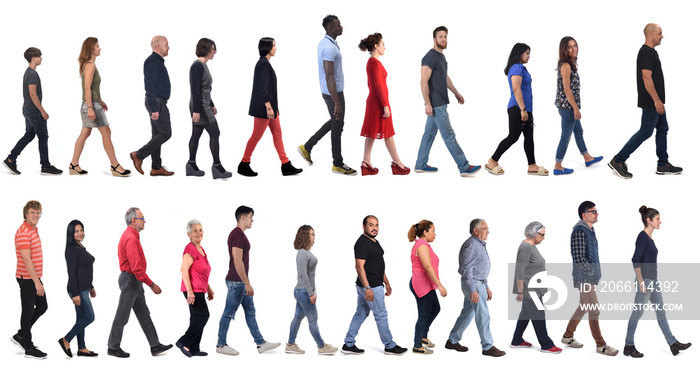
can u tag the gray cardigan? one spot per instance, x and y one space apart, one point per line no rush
528 263
306 271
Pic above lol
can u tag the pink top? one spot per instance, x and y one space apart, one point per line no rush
422 284
199 271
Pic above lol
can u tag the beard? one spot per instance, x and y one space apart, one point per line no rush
442 45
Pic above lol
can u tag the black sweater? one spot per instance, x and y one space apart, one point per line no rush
264 89
79 263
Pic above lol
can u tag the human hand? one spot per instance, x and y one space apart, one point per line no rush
429 110
249 290
155 115
369 295
523 115
190 297
76 300
443 291
312 299
156 289
195 117
387 112
475 297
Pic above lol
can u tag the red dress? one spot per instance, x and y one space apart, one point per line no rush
375 125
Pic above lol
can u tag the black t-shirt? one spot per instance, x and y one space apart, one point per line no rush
648 59
373 254
31 77
437 83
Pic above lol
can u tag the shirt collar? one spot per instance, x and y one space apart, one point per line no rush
133 231
332 40
35 228
584 224
157 56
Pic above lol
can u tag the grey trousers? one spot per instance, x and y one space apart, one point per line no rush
132 296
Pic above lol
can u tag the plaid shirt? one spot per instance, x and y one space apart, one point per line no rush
474 263
578 254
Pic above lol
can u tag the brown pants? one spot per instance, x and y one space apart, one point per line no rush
587 298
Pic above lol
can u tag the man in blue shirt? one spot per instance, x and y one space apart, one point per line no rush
330 75
474 267
157 83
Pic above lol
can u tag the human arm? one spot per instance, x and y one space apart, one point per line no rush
521 286
566 83
639 249
387 285
210 293
263 82
651 89
376 75
72 268
237 254
425 73
187 261
329 70
452 88
89 73
196 72
578 252
424 256
303 272
35 99
517 81
27 258
137 263
521 261
150 75
360 267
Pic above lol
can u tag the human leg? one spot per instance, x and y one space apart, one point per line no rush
199 315
311 314
649 120
276 131
381 317
442 121
361 314
367 157
591 299
143 315
194 141
296 321
539 323
576 317
391 147
336 129
259 126
309 145
234 298
214 133
529 136
482 318
29 120
84 316
426 142
661 142
251 321
521 325
639 300
465 316
567 127
515 127
161 132
657 299
80 144
129 287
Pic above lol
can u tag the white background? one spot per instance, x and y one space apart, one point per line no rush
481 35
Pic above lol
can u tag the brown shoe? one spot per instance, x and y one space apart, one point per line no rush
493 352
137 162
161 172
456 346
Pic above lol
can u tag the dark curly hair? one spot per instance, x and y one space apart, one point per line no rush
368 43
303 238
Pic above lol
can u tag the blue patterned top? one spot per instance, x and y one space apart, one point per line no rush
575 84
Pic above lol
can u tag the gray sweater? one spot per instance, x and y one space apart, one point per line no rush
528 263
306 271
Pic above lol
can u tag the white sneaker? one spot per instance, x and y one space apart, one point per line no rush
606 350
262 348
327 350
226 350
571 342
293 349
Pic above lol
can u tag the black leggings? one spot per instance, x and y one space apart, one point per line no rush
213 131
515 127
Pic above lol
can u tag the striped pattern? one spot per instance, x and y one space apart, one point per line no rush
27 237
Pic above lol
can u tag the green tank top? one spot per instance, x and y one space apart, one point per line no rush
94 88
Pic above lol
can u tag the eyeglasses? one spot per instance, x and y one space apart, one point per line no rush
34 212
143 219
592 212
540 234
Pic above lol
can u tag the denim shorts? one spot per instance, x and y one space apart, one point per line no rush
100 116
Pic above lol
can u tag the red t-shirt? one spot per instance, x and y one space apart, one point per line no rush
27 237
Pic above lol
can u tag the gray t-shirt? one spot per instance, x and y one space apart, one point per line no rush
528 263
31 77
306 271
438 79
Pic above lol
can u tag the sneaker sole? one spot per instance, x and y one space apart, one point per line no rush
343 351
668 173
303 157
467 174
422 171
606 354
547 351
326 353
618 173
293 352
10 169
394 354
345 173
520 346
228 354
34 357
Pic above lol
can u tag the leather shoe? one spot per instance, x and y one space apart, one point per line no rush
160 348
493 352
677 347
631 351
137 162
89 353
118 353
456 346
162 171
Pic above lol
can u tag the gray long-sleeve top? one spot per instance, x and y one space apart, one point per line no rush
528 263
306 271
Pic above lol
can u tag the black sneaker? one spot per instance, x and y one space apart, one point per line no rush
50 171
395 351
35 353
12 166
351 349
620 169
668 169
17 340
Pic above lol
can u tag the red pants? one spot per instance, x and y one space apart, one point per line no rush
259 126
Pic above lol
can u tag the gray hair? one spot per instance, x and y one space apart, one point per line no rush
130 215
475 223
532 229
192 223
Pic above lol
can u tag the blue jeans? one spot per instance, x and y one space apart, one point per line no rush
380 316
236 297
84 315
470 310
650 120
35 124
440 121
569 125
428 310
529 313
305 309
641 299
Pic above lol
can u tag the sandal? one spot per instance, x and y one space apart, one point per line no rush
368 170
541 171
120 174
76 170
497 170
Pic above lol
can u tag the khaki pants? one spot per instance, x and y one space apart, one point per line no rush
587 300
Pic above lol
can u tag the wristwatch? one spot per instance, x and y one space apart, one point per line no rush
368 287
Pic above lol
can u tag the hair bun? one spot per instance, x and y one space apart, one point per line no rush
642 209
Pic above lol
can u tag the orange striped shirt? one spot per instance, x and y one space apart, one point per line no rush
27 237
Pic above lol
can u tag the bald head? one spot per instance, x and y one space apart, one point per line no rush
159 45
653 35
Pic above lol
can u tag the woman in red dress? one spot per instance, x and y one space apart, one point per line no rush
378 123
